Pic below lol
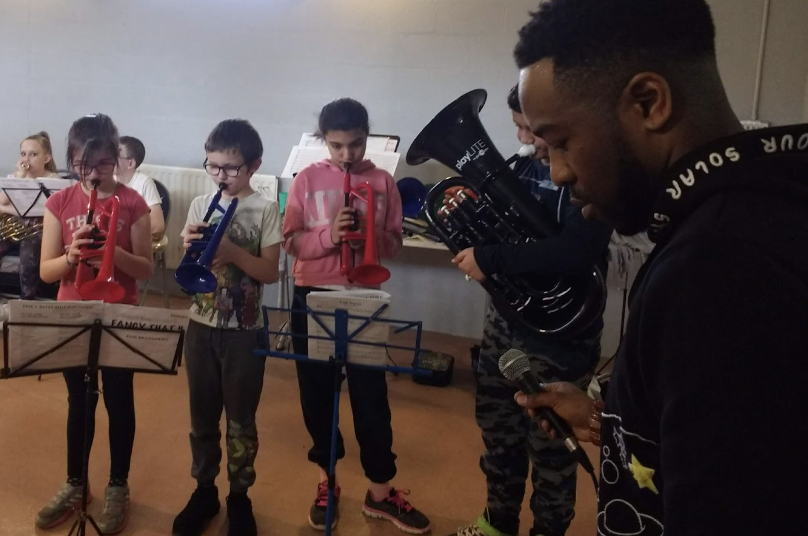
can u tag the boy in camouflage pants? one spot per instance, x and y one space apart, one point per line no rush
512 440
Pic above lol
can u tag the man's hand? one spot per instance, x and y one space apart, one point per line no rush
569 402
466 262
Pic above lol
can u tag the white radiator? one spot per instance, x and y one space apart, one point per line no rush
185 184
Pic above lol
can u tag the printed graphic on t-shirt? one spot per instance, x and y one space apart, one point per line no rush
236 301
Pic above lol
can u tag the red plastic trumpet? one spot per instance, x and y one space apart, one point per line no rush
369 272
103 285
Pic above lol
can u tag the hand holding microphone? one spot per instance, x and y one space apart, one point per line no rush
566 400
515 366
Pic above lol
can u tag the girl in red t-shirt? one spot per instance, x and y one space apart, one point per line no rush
92 153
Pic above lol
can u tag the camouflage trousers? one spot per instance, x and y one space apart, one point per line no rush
223 373
513 441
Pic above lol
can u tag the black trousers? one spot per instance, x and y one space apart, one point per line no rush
120 402
367 389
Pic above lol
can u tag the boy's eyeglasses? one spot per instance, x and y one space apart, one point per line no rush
102 167
230 171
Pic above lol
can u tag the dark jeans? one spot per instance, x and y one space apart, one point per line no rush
120 402
367 389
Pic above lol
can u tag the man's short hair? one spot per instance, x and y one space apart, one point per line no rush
134 148
598 45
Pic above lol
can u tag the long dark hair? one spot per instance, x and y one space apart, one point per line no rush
89 135
343 114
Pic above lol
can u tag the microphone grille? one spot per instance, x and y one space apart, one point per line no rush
513 364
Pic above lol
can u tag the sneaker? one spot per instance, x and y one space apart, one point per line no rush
240 515
201 508
66 501
480 528
116 510
395 508
317 514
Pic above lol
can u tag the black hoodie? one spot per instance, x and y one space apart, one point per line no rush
705 430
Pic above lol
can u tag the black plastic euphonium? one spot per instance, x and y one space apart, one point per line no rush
494 207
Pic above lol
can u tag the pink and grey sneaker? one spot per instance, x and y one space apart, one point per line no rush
317 514
398 510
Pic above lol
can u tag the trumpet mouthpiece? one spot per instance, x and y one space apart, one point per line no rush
527 150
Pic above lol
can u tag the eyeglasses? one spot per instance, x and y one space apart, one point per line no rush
230 171
102 167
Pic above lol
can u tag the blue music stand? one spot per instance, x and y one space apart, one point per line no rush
341 338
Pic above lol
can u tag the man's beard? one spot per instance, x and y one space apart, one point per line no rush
635 194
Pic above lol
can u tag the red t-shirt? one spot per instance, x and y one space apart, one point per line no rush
70 208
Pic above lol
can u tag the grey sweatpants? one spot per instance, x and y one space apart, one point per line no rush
223 373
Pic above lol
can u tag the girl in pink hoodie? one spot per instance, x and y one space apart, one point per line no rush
314 224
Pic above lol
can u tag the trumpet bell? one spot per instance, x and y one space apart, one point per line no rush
370 274
195 278
106 291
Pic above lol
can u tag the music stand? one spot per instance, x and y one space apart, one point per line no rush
28 196
96 331
341 338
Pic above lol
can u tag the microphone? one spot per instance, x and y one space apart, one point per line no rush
515 366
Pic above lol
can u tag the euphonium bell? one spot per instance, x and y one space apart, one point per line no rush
194 274
370 272
101 286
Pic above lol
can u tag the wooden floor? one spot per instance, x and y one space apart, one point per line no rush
435 437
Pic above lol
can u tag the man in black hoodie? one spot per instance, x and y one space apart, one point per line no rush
704 428
515 447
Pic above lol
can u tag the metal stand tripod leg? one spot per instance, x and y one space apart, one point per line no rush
283 339
82 517
340 355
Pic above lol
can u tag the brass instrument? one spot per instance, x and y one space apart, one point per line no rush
15 229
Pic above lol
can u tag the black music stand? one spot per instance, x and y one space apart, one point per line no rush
341 337
42 192
96 330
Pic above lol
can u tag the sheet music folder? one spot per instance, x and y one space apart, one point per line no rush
42 337
28 196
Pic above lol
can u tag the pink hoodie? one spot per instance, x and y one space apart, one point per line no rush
312 205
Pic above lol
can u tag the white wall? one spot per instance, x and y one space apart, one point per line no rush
168 70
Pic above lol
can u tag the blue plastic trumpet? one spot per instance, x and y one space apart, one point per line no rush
193 274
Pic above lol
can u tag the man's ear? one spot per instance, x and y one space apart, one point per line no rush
647 100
